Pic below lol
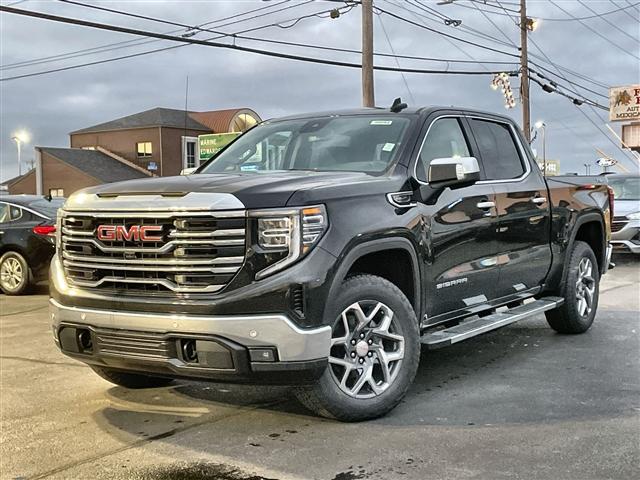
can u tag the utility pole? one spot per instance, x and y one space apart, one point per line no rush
368 99
524 72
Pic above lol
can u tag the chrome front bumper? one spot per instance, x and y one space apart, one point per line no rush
292 344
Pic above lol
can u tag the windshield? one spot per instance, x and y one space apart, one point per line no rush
364 143
47 208
625 188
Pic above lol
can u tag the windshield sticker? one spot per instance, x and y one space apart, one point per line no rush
380 122
249 168
387 147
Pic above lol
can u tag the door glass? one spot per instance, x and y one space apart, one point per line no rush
444 140
498 150
4 213
14 213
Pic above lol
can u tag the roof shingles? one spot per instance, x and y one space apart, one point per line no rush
156 117
96 164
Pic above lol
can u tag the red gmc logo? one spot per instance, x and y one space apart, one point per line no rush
138 233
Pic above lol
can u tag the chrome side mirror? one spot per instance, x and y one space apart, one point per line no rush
445 172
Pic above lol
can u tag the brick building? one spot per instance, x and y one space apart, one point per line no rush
160 141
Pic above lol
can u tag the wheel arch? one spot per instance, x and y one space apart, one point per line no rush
366 258
590 228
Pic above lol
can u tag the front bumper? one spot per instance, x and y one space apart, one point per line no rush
229 348
628 238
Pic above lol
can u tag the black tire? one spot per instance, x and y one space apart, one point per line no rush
131 380
326 398
7 263
568 318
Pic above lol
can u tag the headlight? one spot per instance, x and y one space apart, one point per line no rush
286 235
634 216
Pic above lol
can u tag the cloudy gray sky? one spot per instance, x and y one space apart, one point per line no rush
49 106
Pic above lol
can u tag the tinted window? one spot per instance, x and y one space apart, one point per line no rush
444 140
498 150
364 143
14 213
625 188
4 213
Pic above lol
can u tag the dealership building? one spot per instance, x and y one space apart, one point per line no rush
156 142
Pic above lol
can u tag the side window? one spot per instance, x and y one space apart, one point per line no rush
500 156
444 140
15 213
4 213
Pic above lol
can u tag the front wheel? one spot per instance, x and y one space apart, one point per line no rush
581 291
374 353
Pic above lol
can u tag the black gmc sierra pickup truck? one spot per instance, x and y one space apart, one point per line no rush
321 251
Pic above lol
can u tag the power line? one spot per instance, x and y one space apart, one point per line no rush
582 112
609 22
454 44
595 31
137 42
548 19
102 26
404 79
627 12
281 42
485 47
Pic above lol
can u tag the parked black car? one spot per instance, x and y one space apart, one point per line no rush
27 240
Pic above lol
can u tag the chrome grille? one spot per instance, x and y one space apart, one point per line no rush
619 223
199 253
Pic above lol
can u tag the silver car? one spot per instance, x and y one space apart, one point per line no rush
625 231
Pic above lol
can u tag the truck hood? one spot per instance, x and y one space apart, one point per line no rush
253 190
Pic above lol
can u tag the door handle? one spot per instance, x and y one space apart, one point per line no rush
539 200
485 205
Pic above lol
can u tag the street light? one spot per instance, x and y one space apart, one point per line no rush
540 125
20 138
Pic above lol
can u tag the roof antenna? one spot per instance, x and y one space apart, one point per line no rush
398 105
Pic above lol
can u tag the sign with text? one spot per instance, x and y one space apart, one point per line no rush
553 167
212 143
624 103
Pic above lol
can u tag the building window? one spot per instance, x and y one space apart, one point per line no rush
144 149
56 192
190 152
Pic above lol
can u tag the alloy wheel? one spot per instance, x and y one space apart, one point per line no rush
11 273
585 287
367 349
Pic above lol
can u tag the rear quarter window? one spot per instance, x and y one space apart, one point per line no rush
498 150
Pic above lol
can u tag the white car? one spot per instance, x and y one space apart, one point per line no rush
625 230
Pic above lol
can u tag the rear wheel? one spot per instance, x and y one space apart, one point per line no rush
374 352
15 276
581 290
130 380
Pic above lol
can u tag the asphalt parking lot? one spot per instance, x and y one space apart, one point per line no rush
521 402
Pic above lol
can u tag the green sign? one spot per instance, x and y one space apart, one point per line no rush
212 143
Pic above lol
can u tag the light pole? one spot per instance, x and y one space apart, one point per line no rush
540 125
20 138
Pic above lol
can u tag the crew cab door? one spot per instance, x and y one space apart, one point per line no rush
524 251
458 225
